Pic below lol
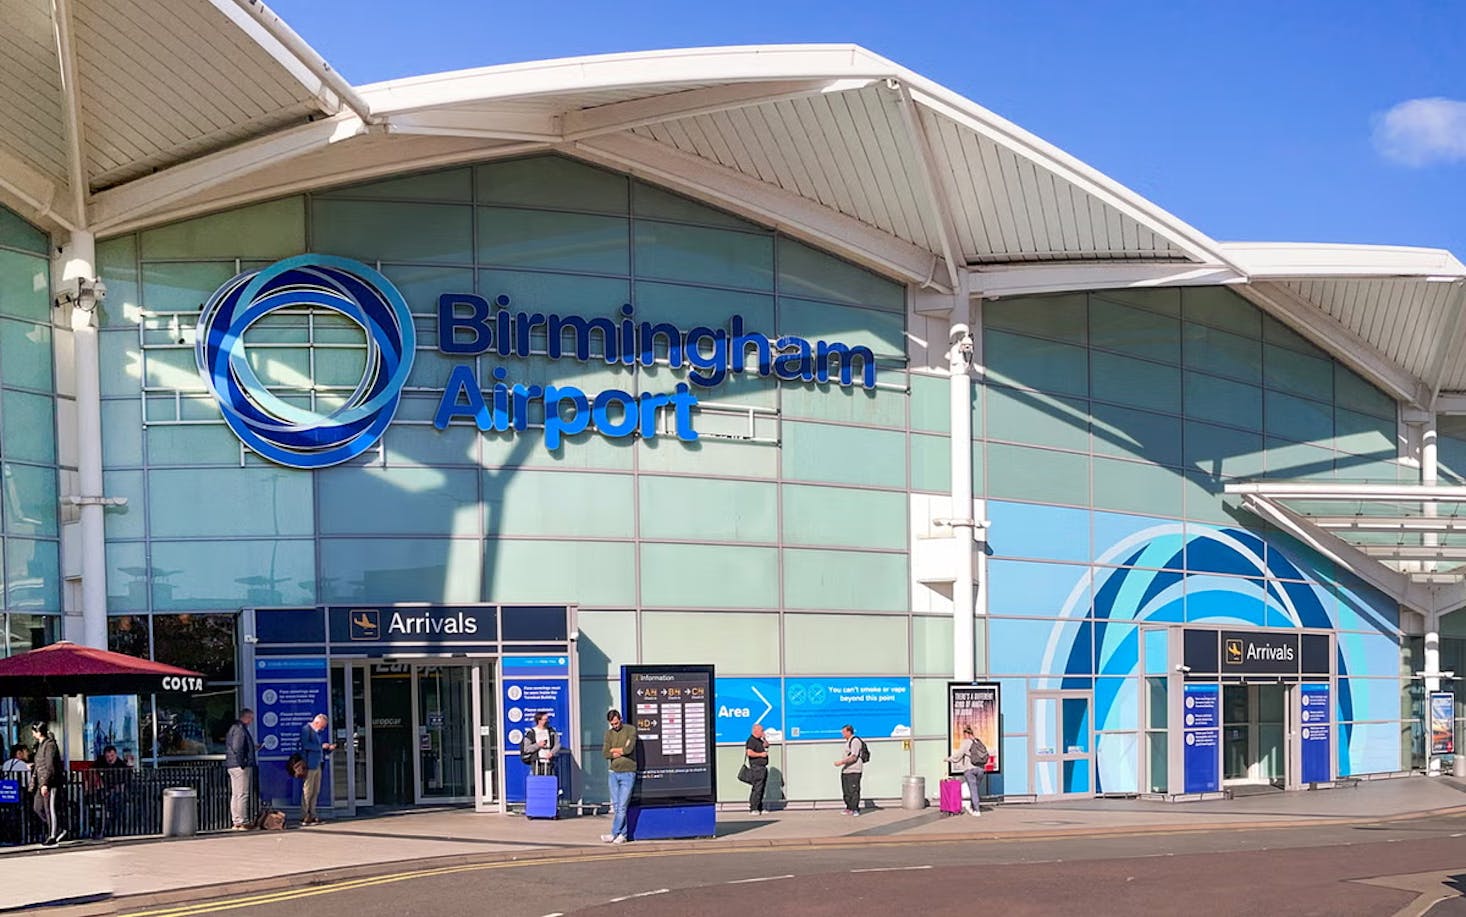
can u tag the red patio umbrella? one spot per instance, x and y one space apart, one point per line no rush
65 669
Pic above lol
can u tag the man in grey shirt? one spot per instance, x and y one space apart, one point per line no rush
851 766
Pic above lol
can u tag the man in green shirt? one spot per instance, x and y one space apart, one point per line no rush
619 748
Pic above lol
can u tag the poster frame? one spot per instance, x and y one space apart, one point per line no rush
993 740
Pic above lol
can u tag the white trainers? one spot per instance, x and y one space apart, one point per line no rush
607 838
619 839
977 812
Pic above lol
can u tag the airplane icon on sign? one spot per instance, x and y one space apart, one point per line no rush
365 624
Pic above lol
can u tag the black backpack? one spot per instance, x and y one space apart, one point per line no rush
864 753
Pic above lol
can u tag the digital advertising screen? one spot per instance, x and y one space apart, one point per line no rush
672 708
979 706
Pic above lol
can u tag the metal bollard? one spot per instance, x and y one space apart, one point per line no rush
180 811
913 793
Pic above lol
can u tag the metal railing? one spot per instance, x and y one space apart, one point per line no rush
125 803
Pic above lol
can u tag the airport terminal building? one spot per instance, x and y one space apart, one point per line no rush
412 400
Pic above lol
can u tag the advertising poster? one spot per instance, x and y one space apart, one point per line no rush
979 706
112 721
673 712
1313 703
1202 739
1442 723
816 708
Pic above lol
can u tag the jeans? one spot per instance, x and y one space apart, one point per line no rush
850 789
760 777
620 783
308 794
239 793
974 776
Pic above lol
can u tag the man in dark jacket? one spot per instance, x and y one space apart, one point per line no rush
50 782
239 760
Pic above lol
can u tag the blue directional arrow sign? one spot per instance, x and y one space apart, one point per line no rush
742 702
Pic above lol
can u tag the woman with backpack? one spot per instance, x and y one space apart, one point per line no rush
975 754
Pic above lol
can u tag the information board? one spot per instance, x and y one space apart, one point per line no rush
292 690
672 708
1201 737
979 706
1314 729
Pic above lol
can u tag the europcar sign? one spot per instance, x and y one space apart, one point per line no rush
470 325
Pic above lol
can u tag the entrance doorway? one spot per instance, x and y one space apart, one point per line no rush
1062 737
1254 734
411 729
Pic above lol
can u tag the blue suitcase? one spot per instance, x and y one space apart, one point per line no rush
541 796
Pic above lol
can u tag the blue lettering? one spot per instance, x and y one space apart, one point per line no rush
523 395
580 329
475 324
555 423
741 343
846 355
796 366
709 369
683 402
462 383
602 413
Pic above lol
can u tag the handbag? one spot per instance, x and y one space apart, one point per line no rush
745 774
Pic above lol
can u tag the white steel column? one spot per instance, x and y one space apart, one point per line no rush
1429 477
78 285
959 361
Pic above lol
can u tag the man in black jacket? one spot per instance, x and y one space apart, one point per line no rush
239 759
50 782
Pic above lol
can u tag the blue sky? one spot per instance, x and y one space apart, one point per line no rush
1250 120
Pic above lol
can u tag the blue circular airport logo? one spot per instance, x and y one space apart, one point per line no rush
278 430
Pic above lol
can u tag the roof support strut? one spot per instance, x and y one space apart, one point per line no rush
71 106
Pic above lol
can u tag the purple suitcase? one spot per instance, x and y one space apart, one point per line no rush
951 796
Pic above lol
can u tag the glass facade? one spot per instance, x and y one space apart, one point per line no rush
29 504
779 544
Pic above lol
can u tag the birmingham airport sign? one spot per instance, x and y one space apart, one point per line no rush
470 325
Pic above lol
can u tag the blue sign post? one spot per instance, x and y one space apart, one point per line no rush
744 702
876 707
1314 730
1201 735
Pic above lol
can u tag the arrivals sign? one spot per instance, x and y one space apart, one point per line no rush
470 326
1259 653
412 625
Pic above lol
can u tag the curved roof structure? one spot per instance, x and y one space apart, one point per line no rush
120 114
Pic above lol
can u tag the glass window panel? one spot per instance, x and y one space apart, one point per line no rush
127 576
177 369
737 644
688 307
696 254
805 271
843 455
650 202
1020 473
268 231
931 402
1041 532
402 569
583 450
392 231
122 433
1222 450
423 445
1223 401
1037 589
421 285
589 572
883 332
195 574
1353 393
1165 300
1135 382
541 239
1137 487
128 634
1287 370
704 509
931 464
1157 653
1298 419
1121 431
837 516
1287 460
25 354
708 457
714 576
1362 434
1221 308
559 294
1222 353
1275 332
444 185
607 642
17 233
25 289
30 499
1060 316
416 501
117 266
32 575
125 521
1138 332
192 445
1032 363
1206 500
845 579
931 645
551 181
559 503
182 286
264 500
829 401
29 427
120 358
201 643
192 726
1035 418
809 639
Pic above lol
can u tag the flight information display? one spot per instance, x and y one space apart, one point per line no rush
672 710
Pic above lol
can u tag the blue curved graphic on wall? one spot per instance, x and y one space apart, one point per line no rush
1171 573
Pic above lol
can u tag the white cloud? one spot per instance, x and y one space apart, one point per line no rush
1420 132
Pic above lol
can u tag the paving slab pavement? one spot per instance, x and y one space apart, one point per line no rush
102 872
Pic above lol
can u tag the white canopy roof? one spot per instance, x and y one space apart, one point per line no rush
119 114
